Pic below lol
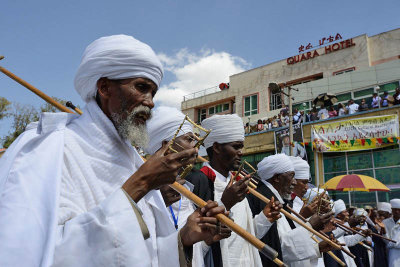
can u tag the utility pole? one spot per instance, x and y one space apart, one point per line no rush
289 94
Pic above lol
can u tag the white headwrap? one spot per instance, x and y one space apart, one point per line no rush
360 212
395 203
384 206
116 57
301 168
275 164
312 193
339 206
225 129
163 125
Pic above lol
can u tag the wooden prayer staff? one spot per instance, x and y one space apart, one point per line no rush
377 235
330 253
47 98
262 247
365 246
72 106
345 227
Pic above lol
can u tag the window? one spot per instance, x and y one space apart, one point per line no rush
302 106
218 108
275 101
382 164
344 71
389 87
343 97
366 92
201 114
211 111
250 105
225 107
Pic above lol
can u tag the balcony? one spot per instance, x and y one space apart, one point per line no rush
201 93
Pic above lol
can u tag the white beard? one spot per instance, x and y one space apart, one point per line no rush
135 133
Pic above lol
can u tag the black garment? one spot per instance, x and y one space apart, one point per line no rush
380 252
271 237
361 254
363 107
329 261
204 188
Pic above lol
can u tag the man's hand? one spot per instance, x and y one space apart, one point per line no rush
272 210
234 192
201 225
309 210
367 232
325 246
318 221
169 195
158 170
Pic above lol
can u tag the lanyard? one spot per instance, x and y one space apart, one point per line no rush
177 215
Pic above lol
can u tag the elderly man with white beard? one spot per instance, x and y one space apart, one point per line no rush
75 192
293 243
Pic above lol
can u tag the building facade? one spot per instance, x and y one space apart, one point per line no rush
350 69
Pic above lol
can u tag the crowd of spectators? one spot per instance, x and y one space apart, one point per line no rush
300 116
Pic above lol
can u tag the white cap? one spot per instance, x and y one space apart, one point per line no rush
301 168
339 206
384 206
395 203
274 164
360 212
224 129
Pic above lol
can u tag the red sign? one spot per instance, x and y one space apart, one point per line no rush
327 49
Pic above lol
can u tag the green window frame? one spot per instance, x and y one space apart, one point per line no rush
250 105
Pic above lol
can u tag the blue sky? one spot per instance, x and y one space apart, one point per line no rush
201 43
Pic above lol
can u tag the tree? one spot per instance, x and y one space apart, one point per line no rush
46 107
21 115
4 108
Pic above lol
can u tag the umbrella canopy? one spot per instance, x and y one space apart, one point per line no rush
354 182
326 99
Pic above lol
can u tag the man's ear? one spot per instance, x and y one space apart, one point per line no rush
216 148
103 88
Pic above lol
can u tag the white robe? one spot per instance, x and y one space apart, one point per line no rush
393 232
297 204
349 240
298 249
235 251
64 178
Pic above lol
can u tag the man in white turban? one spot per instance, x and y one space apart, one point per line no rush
393 232
224 148
162 127
302 176
293 243
75 192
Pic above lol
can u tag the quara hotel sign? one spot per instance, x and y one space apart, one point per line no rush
327 49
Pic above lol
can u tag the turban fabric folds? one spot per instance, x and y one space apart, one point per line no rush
116 57
301 168
384 206
275 164
224 129
339 206
395 203
163 125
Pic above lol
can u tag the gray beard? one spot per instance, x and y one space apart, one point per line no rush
128 129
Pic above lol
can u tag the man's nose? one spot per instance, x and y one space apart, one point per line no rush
148 100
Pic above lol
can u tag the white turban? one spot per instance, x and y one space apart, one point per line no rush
163 125
339 206
312 193
275 164
384 206
116 57
301 168
395 203
224 129
360 212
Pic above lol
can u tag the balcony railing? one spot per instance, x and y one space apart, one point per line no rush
201 93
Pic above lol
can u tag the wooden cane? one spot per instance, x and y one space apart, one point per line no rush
377 235
72 106
45 97
349 229
290 216
261 246
330 253
365 246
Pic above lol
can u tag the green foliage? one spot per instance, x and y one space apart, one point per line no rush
21 116
4 107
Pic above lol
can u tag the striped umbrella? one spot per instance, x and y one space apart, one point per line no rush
354 182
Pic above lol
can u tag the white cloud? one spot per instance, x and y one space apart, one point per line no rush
194 72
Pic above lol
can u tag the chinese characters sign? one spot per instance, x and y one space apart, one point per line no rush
355 134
